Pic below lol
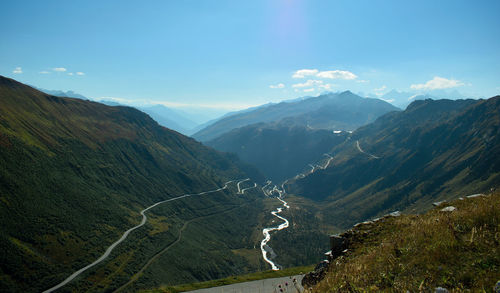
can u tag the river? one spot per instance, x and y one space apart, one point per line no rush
267 234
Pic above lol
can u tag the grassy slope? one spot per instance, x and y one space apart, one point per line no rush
73 176
434 150
279 150
457 250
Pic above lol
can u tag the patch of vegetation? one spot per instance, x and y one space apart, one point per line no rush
458 250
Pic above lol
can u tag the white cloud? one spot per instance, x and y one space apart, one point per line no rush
309 83
308 90
44 72
331 74
70 73
437 83
413 97
304 72
277 86
17 70
325 86
337 74
388 100
59 69
379 91
80 73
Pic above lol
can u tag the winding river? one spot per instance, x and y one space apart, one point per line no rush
266 231
267 192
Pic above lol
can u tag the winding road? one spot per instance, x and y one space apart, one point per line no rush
136 276
245 189
330 158
264 188
126 233
361 150
238 185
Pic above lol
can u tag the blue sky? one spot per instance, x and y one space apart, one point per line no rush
234 54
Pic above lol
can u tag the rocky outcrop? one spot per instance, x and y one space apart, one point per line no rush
312 278
339 245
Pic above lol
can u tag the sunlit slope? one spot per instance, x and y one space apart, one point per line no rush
74 174
457 250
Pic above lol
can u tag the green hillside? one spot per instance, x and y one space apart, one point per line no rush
278 150
457 250
74 175
434 150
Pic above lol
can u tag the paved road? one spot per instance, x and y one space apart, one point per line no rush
157 255
245 189
125 235
238 185
361 150
260 286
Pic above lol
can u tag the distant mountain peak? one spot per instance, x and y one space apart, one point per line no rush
347 93
342 110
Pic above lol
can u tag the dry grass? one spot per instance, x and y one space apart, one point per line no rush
456 250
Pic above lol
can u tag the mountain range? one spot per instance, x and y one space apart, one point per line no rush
75 174
402 99
305 131
332 111
278 150
178 120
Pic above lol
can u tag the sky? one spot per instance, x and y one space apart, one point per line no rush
235 54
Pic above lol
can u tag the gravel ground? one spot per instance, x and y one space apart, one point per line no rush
274 285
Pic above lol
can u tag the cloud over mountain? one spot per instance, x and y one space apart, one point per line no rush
437 83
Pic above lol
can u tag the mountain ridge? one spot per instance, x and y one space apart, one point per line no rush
419 155
279 150
317 112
